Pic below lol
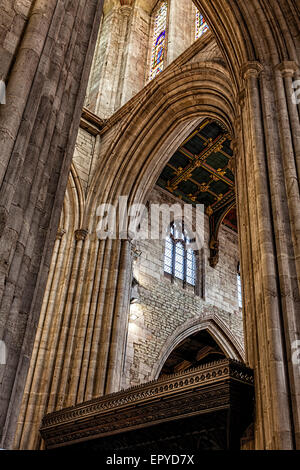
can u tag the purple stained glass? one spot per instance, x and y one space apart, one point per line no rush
159 40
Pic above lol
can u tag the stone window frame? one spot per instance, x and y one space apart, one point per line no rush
151 38
239 286
185 284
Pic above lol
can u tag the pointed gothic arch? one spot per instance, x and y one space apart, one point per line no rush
159 122
214 326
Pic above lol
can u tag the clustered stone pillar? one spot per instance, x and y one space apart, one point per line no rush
268 226
80 346
46 85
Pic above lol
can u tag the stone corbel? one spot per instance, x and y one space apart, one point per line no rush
214 252
232 162
215 221
242 98
135 252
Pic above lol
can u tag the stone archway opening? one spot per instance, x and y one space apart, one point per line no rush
196 350
177 283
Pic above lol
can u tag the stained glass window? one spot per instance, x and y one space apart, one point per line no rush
201 25
180 259
159 40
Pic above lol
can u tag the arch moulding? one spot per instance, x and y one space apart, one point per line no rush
217 329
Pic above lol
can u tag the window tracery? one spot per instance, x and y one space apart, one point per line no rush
180 259
239 287
201 25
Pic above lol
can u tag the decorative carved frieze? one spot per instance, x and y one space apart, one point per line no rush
197 390
60 233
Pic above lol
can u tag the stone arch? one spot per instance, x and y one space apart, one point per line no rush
217 329
158 124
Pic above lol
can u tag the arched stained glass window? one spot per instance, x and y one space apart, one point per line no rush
201 25
180 259
159 40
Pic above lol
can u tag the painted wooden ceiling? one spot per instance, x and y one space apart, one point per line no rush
198 349
201 172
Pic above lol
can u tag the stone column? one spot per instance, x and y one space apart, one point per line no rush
115 311
117 351
61 387
38 126
290 144
32 410
267 247
135 68
181 33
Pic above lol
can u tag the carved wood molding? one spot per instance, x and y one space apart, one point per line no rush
207 388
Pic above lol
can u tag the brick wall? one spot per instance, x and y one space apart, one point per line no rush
164 306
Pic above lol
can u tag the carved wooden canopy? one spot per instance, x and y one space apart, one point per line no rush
214 400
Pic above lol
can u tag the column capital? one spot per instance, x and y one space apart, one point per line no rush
60 233
287 68
81 234
251 69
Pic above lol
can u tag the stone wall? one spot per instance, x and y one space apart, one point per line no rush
83 156
164 306
14 16
122 59
45 57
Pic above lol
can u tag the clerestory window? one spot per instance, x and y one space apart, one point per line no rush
200 25
159 39
239 287
180 258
